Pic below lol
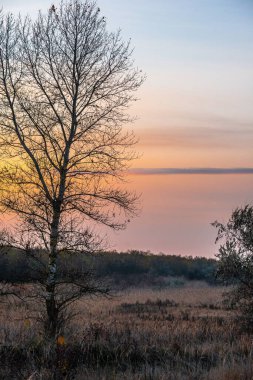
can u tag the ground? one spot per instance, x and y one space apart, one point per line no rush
178 333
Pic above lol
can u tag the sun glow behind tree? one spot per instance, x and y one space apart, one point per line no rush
65 86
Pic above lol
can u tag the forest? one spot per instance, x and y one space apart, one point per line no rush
122 269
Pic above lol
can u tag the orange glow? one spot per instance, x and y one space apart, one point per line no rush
177 211
194 147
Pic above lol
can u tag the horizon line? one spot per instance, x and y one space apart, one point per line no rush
153 171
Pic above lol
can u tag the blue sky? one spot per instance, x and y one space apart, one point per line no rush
198 58
197 55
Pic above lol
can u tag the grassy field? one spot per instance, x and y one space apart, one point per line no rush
176 333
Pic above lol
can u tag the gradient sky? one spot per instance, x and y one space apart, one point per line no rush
195 111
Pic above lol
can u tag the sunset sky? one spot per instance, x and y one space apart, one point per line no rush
195 110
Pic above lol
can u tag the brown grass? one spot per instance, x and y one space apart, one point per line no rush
177 333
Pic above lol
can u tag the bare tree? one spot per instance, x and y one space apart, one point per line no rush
65 86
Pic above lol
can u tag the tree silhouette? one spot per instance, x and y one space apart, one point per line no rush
235 265
65 86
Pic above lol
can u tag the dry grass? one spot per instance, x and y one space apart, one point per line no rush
177 333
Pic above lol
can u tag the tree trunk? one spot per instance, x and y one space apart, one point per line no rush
52 323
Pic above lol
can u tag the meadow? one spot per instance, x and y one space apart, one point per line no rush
181 332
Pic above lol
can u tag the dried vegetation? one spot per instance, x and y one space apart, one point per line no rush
177 333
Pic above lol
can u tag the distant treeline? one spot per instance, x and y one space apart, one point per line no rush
133 268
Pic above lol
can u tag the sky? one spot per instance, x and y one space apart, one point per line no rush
194 112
